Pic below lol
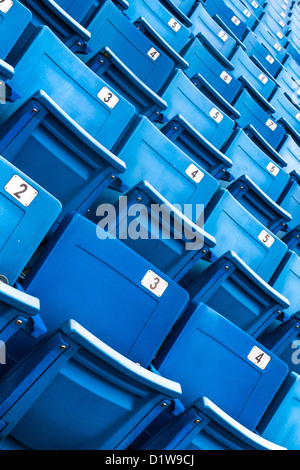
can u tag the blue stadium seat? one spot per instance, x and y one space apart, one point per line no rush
212 118
264 166
27 214
205 27
236 229
114 398
146 54
7 93
289 150
231 288
287 113
213 358
48 65
292 240
280 423
149 155
219 9
14 18
261 55
184 5
286 279
167 238
172 30
74 168
49 13
132 302
290 199
253 114
204 426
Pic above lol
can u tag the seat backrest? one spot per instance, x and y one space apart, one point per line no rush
48 65
74 370
75 168
249 159
110 28
211 357
27 214
286 279
236 229
202 62
149 155
203 23
245 67
185 99
233 21
132 310
169 28
14 18
289 150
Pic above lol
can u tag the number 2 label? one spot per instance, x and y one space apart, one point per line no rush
21 190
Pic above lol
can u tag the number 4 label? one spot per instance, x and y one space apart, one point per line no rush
6 5
154 283
153 53
194 173
259 358
21 190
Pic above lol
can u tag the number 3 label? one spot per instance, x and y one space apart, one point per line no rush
21 190
5 5
108 97
154 283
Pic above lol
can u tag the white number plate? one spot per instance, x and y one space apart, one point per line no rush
154 283
284 7
277 47
235 20
216 115
247 13
174 25
194 173
108 97
223 36
283 15
263 78
266 238
298 116
282 24
270 59
273 169
254 4
226 77
21 190
6 5
279 35
271 124
259 358
153 53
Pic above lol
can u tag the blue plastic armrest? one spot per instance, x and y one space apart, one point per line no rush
216 161
151 33
229 31
107 60
237 430
67 19
264 145
289 128
212 94
260 65
176 12
257 96
122 4
215 52
244 187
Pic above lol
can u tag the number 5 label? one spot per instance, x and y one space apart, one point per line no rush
154 283
266 238
21 190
